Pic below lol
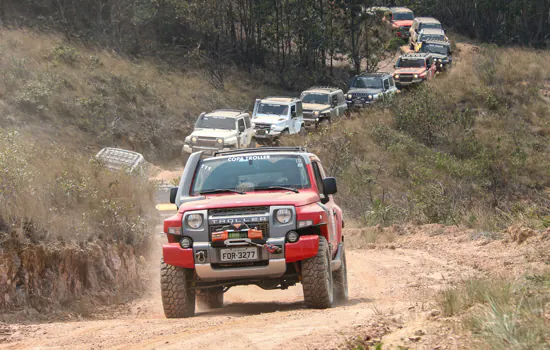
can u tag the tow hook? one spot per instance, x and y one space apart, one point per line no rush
272 249
201 257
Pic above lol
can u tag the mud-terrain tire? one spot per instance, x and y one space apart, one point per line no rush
324 124
284 134
211 298
317 278
340 280
178 296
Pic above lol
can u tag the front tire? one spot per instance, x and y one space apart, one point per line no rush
210 298
303 131
317 278
178 295
340 278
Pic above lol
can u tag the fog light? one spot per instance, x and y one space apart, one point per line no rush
292 237
186 243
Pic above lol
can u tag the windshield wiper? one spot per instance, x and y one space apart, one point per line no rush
220 190
278 188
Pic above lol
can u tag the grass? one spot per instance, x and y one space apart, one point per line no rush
471 148
48 194
502 314
86 97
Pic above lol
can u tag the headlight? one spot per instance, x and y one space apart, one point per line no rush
396 76
219 141
442 64
416 76
316 113
193 139
350 96
186 243
283 216
370 97
273 126
194 221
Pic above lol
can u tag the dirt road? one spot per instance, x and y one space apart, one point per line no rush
390 284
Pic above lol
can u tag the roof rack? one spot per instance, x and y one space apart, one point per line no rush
331 88
260 149
437 41
229 110
416 54
289 97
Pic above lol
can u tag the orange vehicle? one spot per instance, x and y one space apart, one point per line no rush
401 19
414 68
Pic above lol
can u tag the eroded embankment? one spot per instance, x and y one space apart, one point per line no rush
49 277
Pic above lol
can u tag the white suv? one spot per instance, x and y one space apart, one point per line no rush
220 130
276 117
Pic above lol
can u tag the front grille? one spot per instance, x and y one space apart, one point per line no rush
361 95
239 211
406 78
263 226
207 142
263 126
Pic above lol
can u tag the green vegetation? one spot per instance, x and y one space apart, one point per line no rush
47 194
470 148
502 314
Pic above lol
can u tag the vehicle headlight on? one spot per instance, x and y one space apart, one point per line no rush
416 76
316 113
194 139
370 97
283 216
195 221
396 76
219 141
186 243
350 96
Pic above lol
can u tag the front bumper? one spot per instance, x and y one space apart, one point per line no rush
408 83
208 151
358 103
269 134
210 270
311 122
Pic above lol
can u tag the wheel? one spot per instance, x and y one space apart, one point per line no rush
210 298
317 278
178 296
284 134
303 131
340 278
324 124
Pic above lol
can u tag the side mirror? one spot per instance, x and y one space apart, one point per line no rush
173 194
329 184
241 128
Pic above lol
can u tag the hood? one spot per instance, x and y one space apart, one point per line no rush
251 199
315 106
365 91
222 133
409 71
268 119
406 23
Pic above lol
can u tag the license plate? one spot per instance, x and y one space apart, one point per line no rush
239 254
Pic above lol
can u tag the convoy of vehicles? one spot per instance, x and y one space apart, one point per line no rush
414 68
276 117
321 105
366 88
263 216
266 216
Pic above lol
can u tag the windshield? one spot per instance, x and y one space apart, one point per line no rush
403 16
411 64
433 48
214 122
367 83
272 108
250 173
430 25
322 99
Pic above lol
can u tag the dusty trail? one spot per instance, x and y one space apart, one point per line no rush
396 284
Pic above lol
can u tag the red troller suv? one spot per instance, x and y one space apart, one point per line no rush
263 216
